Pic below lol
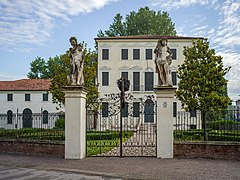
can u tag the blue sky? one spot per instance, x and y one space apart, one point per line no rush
31 28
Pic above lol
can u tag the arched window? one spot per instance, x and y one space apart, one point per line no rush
45 117
9 116
27 118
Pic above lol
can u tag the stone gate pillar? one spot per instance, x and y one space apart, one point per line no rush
165 97
75 122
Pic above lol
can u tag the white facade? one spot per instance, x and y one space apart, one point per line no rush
238 104
18 104
115 65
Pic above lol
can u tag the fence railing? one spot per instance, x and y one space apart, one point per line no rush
221 125
31 126
195 126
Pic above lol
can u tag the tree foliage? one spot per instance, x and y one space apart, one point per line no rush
202 84
145 21
58 68
38 69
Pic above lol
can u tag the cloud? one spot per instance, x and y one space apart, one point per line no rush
9 77
175 4
31 22
232 59
224 35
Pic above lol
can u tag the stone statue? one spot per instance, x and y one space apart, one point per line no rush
163 60
76 61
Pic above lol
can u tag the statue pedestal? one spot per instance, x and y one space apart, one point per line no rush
75 122
165 97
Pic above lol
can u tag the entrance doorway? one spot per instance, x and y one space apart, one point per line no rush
27 118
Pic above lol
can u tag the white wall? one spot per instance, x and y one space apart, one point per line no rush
36 102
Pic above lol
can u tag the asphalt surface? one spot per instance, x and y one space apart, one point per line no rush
36 167
18 173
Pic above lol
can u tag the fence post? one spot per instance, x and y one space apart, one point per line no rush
41 123
18 125
204 125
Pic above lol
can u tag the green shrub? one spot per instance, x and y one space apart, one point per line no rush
214 137
107 135
221 124
60 123
32 133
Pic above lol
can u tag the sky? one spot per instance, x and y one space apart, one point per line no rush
42 28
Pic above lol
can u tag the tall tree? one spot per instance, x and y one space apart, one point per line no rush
117 28
38 69
145 21
202 84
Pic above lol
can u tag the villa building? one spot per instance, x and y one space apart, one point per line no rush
133 58
21 99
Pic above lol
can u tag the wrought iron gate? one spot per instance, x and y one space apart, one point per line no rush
126 131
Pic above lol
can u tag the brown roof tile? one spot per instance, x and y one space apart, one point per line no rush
147 37
26 85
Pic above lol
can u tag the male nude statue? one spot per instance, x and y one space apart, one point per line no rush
163 60
76 62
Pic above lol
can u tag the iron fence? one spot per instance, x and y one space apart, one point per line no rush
43 126
221 125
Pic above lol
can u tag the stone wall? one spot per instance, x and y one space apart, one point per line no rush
210 150
42 148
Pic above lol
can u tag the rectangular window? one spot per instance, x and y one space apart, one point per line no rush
104 109
125 110
174 78
105 78
136 81
136 54
9 97
193 126
125 75
27 97
45 97
174 54
105 54
174 109
148 81
136 109
193 114
148 55
124 53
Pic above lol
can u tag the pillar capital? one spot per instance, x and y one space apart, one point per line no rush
165 91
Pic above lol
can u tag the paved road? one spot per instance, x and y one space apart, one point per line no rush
126 168
8 172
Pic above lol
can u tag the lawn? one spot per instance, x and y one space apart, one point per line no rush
101 142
